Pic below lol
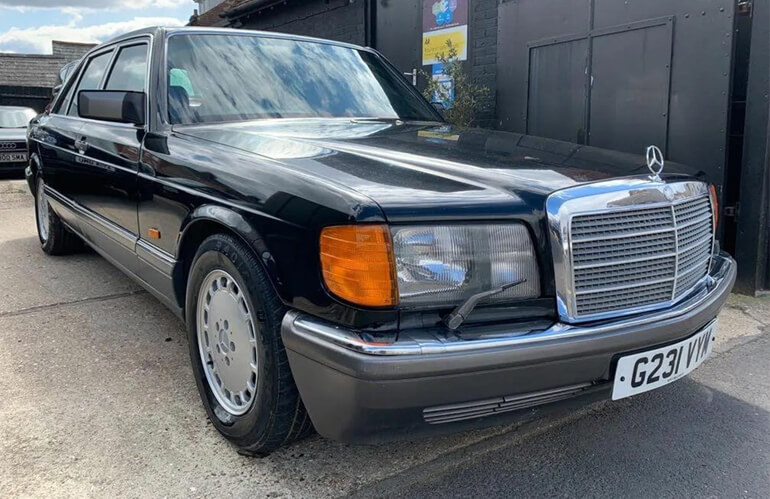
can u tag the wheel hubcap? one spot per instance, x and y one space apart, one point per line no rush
227 342
42 211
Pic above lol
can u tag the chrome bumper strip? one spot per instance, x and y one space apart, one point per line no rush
422 342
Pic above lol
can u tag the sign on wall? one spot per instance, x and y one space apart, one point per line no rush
442 21
445 93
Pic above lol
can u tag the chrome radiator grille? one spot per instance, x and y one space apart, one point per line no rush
636 258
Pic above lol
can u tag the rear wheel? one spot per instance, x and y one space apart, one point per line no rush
55 238
238 358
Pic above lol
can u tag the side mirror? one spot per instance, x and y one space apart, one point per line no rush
55 91
113 105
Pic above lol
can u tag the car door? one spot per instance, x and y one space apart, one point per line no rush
56 133
107 161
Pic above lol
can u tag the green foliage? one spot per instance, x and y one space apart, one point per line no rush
470 99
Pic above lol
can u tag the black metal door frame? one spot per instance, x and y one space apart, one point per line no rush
590 35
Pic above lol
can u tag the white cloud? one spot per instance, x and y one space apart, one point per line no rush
38 39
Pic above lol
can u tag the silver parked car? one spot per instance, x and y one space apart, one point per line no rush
13 137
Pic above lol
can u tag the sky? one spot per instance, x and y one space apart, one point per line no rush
28 26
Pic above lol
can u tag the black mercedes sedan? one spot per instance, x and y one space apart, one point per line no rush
345 260
13 138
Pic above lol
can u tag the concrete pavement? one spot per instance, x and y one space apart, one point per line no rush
98 400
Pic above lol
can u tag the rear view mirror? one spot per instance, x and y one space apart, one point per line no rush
112 105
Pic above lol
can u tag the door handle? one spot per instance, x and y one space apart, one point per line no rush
413 74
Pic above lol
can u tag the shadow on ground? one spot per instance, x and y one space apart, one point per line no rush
685 440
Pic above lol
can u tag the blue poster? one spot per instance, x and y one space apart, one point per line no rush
447 93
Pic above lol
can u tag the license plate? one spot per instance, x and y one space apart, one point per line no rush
13 157
645 371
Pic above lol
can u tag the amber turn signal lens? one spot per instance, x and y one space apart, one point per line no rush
358 264
714 204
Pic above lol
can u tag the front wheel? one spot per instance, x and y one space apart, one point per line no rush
238 358
55 238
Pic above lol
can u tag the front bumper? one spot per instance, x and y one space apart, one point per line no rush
426 381
17 167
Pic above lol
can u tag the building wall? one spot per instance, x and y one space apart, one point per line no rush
483 54
70 50
333 19
28 79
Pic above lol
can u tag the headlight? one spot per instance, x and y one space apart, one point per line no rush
445 264
428 265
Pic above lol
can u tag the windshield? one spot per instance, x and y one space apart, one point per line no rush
16 118
217 78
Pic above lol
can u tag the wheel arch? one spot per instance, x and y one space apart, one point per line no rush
207 220
35 166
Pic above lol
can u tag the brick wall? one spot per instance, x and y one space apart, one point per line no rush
482 57
333 19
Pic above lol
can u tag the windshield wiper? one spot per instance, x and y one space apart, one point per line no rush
456 317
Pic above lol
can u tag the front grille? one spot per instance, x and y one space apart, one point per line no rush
489 407
12 146
640 257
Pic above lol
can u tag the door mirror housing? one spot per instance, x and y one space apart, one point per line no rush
113 105
55 91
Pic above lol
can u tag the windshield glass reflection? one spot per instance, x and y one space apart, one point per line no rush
15 117
219 78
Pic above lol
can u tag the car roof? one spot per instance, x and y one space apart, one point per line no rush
165 31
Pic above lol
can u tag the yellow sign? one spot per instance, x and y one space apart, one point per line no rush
440 135
434 44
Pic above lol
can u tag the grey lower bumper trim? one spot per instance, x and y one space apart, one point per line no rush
424 342
471 410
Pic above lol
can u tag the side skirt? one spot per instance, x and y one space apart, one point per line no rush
148 266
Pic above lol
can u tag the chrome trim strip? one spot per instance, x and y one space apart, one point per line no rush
424 343
158 259
84 157
108 228
612 196
677 251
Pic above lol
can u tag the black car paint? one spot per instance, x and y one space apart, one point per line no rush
277 183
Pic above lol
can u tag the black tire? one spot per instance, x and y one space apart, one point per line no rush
277 415
58 239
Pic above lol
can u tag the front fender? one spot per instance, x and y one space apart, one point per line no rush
235 222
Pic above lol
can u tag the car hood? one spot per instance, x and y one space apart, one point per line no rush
13 134
429 170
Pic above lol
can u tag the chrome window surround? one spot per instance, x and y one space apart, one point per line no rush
611 196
